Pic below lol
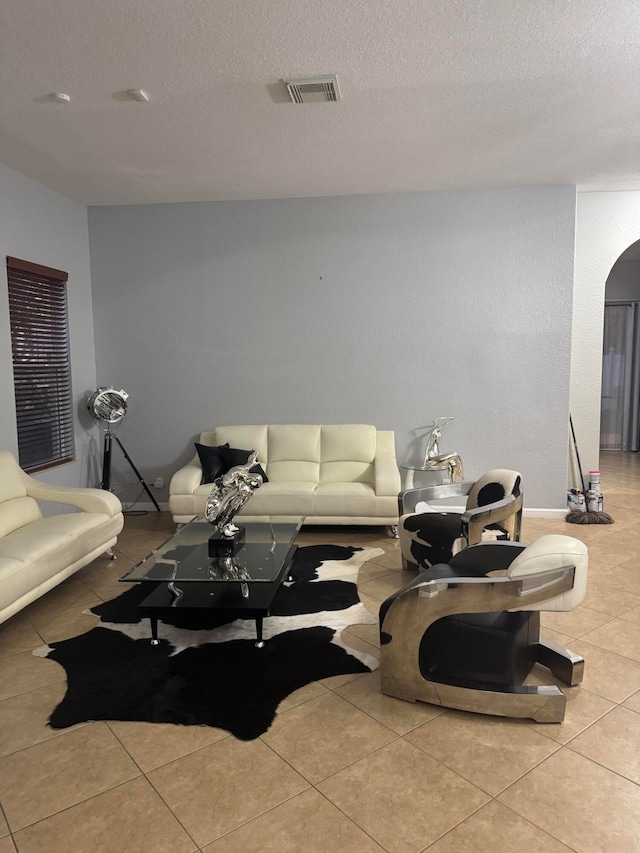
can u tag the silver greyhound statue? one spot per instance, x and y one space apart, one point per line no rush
438 461
230 493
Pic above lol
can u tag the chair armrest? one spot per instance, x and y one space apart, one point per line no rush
87 500
439 571
491 512
474 520
408 499
386 473
186 480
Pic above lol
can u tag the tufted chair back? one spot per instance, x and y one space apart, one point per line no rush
494 486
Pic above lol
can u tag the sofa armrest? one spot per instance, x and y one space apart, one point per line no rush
387 474
186 480
87 500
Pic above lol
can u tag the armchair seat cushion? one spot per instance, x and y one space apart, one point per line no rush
484 648
432 537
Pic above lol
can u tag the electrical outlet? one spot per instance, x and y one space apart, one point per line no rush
158 483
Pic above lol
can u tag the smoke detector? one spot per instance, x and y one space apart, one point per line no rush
313 90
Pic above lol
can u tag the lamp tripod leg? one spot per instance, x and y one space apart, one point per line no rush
137 473
106 463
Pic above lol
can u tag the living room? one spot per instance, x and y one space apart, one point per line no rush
436 242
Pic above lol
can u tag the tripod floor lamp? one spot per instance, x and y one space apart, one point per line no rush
109 406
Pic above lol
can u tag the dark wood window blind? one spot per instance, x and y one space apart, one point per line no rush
41 364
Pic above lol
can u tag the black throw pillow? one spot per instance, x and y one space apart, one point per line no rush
233 456
212 461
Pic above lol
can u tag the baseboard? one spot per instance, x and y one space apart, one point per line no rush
140 506
535 512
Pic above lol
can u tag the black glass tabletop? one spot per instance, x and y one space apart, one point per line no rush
185 556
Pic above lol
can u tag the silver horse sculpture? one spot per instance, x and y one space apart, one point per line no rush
436 461
230 493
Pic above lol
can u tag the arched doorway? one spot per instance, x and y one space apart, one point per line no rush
620 390
607 223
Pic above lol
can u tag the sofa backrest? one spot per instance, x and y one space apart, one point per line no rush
312 453
16 508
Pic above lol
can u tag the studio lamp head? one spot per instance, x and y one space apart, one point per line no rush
108 405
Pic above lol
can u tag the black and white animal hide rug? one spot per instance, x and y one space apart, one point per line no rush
209 672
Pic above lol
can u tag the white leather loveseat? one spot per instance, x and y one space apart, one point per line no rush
331 474
38 553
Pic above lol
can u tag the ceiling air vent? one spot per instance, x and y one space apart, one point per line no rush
312 90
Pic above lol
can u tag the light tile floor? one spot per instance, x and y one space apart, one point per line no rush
343 767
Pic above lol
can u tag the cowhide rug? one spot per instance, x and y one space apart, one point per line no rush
211 673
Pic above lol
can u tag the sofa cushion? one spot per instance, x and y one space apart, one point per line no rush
213 464
15 580
348 442
348 453
249 437
347 472
50 546
16 512
294 443
348 499
292 471
74 534
217 460
282 498
292 487
233 456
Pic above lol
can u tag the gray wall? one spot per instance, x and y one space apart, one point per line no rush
390 310
40 225
624 281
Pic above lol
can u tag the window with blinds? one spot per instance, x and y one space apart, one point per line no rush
41 364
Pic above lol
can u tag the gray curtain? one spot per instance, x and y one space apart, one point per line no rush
620 403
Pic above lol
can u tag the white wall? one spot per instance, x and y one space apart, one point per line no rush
607 223
40 225
389 310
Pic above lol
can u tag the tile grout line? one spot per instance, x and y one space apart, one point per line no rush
73 805
153 787
599 764
494 797
539 828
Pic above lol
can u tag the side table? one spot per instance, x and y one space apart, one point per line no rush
410 471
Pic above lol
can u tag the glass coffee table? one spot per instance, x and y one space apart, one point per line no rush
185 577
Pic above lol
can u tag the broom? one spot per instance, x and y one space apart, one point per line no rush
577 516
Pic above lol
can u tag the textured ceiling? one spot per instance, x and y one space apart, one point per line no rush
437 94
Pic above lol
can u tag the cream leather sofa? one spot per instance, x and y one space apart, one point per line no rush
38 553
332 474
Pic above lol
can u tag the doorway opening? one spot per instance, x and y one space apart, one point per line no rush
620 396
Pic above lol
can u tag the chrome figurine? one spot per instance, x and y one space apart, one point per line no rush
437 461
229 494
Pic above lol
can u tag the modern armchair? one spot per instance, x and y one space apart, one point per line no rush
458 637
494 502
